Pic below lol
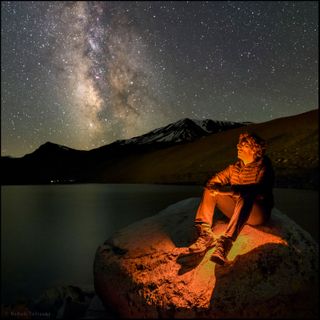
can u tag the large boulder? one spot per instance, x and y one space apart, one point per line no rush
272 270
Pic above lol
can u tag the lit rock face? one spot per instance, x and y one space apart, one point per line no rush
272 271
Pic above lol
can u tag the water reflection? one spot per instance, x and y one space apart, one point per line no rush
50 233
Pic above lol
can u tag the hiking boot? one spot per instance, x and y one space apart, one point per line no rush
205 239
221 251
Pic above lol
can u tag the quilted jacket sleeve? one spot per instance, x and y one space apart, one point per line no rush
222 177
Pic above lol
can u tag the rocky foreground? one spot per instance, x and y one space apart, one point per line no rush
272 270
65 302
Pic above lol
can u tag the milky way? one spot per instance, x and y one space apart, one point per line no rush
107 71
84 74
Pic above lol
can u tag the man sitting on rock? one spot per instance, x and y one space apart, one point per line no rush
242 192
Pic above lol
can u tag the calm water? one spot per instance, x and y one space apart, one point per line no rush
49 234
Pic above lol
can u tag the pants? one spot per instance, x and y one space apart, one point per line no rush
239 209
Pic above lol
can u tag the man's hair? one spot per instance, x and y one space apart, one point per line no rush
256 143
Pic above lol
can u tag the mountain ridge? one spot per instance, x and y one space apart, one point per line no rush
183 130
293 148
186 130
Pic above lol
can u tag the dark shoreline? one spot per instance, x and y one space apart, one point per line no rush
68 302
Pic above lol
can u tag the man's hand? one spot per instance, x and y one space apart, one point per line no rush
214 192
217 188
212 188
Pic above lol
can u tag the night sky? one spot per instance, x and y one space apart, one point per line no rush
84 74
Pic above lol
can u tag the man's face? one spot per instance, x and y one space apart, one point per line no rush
245 153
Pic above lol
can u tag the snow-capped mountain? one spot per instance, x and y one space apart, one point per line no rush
54 163
153 157
181 131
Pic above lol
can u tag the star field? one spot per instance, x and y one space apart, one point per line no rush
84 74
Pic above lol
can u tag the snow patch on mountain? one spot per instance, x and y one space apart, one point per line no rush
182 130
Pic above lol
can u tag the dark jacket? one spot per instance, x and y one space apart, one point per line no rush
255 178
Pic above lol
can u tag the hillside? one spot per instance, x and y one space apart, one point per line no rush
184 152
292 147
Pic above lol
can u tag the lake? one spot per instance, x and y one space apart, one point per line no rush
50 233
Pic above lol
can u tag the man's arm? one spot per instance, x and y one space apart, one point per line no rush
220 178
219 183
221 189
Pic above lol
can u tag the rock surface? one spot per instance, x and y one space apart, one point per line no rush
272 270
63 302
